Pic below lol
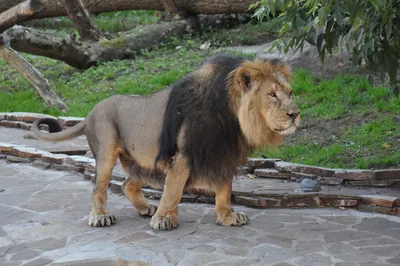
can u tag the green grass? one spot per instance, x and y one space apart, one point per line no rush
346 122
81 90
350 123
373 145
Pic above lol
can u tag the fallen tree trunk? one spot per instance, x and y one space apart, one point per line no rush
20 12
83 55
88 30
38 81
55 8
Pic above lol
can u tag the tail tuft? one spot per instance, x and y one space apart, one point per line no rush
54 125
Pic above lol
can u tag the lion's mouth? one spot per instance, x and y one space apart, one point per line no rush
287 131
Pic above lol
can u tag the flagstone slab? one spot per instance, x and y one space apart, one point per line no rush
302 168
26 117
355 174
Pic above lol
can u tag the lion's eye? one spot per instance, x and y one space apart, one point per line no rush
273 95
291 94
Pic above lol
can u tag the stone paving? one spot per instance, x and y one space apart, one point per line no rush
43 221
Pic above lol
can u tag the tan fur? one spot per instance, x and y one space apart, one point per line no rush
133 191
225 214
166 216
128 128
203 74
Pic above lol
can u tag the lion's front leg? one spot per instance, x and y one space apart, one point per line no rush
225 213
166 216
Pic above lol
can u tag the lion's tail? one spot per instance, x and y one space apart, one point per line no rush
55 129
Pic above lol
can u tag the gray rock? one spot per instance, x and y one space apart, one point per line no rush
309 185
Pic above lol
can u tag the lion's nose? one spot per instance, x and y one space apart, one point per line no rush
293 115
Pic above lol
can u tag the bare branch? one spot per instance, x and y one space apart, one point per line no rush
38 81
83 54
88 31
20 12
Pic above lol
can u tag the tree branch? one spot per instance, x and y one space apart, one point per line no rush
38 81
88 31
56 8
20 12
83 55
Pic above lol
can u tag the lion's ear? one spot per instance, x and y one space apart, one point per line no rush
244 79
281 77
247 81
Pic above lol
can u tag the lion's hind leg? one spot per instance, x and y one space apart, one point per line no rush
225 213
105 160
132 189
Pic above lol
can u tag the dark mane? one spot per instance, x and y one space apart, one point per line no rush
213 142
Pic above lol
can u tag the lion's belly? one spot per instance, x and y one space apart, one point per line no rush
141 126
142 146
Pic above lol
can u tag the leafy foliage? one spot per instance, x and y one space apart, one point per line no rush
369 29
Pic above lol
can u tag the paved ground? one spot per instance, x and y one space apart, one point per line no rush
43 219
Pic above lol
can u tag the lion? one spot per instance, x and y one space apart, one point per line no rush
192 135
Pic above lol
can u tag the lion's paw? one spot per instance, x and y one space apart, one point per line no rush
101 220
235 219
164 222
148 211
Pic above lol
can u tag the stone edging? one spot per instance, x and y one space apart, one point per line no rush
262 168
275 168
86 166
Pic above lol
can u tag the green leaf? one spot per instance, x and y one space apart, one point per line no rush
375 3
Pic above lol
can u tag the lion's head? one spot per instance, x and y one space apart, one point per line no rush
264 101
